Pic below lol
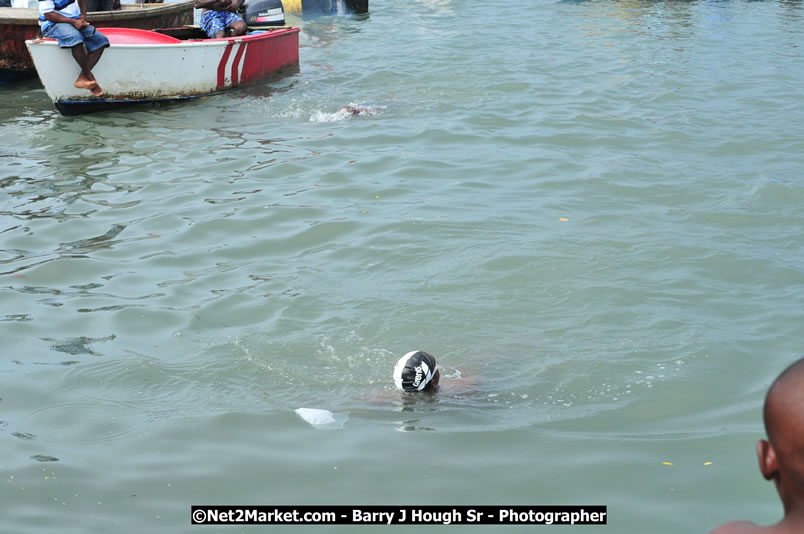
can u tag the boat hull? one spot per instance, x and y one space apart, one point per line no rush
18 25
132 71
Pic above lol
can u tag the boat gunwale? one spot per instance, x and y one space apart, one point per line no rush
223 41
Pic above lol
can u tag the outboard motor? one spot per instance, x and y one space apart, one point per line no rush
258 13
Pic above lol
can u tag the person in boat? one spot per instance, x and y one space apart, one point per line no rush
220 18
781 456
68 24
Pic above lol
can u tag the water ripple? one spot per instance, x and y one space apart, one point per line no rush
593 208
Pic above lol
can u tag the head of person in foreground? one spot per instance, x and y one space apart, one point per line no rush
781 456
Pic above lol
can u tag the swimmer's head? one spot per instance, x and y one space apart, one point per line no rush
416 371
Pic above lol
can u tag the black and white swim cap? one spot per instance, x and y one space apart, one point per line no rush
414 371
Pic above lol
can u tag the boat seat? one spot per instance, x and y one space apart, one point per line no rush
135 36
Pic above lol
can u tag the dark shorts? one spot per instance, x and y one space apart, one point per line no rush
214 21
68 36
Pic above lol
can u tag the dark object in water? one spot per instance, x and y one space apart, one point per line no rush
43 458
358 6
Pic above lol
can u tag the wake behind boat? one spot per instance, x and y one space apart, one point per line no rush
142 66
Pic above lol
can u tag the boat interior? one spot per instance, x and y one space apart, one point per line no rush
166 35
191 32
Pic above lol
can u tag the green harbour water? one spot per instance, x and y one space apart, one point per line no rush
592 208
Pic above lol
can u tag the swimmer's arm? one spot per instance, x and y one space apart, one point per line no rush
382 396
737 527
465 379
465 382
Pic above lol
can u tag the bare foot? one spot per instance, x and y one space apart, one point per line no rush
96 91
83 83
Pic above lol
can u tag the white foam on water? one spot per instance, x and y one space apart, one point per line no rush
345 113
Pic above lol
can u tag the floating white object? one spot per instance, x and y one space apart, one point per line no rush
321 418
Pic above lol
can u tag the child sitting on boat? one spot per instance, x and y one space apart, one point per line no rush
220 18
68 25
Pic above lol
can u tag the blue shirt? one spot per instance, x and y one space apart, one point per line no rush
68 8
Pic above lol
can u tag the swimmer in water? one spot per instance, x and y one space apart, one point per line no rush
781 456
355 110
416 371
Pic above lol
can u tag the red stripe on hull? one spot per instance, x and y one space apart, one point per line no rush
222 66
236 64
